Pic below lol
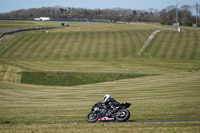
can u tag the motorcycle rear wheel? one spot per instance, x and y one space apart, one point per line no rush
122 115
92 117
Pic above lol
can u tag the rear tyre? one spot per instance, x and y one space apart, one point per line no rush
92 117
122 115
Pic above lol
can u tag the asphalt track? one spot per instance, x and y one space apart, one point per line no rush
7 30
150 121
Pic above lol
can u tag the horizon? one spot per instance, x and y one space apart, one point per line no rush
5 6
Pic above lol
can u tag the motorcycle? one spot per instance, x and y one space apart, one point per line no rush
100 112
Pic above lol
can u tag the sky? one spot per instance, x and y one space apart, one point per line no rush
10 5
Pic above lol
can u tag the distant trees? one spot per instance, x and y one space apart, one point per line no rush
166 16
185 16
31 13
116 14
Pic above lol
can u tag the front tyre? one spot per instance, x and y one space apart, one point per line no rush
122 115
92 117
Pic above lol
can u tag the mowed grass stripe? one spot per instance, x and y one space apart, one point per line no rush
68 44
29 45
98 45
170 51
47 44
186 46
85 45
11 45
124 44
168 45
111 45
132 43
63 49
139 39
106 45
90 42
115 41
93 45
73 45
25 45
57 52
102 42
159 44
50 52
120 43
101 45
177 46
182 45
14 51
32 49
40 46
81 44
155 43
195 46
162 45
198 43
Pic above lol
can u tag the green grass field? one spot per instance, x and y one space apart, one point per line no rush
8 24
103 51
73 78
75 45
174 45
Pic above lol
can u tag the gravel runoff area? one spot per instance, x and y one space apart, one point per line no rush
149 40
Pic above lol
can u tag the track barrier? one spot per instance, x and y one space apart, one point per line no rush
22 30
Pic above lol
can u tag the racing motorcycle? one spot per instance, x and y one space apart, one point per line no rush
100 112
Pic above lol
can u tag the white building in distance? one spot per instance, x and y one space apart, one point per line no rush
42 19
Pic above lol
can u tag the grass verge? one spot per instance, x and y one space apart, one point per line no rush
73 78
177 127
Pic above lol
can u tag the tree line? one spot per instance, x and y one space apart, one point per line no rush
185 15
165 16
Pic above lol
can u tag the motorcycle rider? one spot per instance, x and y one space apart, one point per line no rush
110 103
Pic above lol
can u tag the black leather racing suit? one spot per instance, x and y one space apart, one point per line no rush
111 104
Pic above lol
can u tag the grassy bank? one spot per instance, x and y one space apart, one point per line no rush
189 127
174 45
163 97
84 43
108 52
72 78
76 45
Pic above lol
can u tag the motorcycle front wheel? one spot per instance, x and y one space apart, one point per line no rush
92 117
122 115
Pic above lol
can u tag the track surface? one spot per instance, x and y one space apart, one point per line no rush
150 121
190 120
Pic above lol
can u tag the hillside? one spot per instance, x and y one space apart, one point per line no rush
103 42
162 82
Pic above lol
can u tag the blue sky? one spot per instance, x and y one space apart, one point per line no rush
9 5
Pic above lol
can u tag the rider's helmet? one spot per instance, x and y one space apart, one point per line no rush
106 97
